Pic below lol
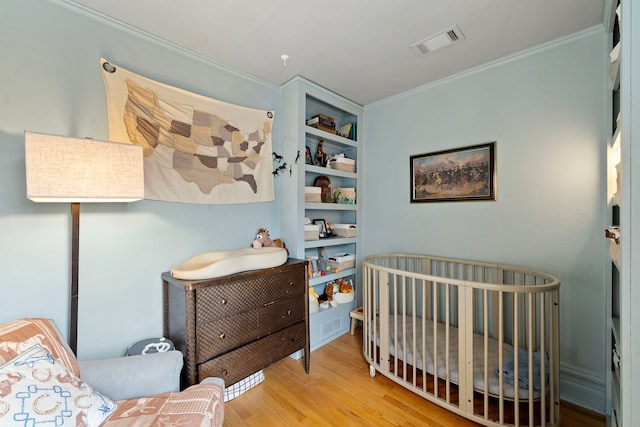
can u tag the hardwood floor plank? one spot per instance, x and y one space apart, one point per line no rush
339 391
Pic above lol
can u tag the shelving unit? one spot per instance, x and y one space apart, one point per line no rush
614 200
301 100
624 292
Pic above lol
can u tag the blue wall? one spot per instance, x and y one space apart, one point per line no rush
546 111
51 83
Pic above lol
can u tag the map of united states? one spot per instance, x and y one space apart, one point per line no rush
203 148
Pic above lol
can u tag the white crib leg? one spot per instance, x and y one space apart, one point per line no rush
372 371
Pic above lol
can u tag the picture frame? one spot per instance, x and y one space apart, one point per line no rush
455 175
308 160
322 227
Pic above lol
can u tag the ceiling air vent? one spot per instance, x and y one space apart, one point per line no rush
438 41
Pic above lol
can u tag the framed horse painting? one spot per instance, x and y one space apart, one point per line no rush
456 175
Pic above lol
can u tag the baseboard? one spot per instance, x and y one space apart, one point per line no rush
583 389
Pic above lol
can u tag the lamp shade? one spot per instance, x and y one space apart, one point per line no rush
66 169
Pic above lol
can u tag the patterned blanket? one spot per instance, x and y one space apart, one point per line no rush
199 405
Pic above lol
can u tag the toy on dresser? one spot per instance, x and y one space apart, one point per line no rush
263 240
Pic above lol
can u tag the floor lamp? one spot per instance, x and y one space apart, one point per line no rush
75 170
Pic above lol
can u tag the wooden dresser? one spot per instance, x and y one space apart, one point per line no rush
235 325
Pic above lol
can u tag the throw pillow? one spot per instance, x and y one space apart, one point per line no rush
19 335
37 389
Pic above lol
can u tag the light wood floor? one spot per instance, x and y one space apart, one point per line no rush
339 392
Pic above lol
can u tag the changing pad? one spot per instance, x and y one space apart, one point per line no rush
208 265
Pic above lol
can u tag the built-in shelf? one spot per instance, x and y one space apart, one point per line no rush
331 241
615 305
329 137
330 206
330 172
303 100
333 276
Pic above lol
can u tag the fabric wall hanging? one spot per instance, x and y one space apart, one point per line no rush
196 149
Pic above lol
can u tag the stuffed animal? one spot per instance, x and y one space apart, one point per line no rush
313 296
264 240
321 157
346 285
328 293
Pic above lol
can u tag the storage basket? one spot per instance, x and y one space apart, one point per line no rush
345 230
342 261
312 194
312 232
344 297
346 196
343 164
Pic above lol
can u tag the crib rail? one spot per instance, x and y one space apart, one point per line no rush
480 339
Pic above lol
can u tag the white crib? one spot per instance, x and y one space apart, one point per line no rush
479 320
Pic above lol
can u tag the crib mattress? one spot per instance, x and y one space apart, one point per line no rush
401 327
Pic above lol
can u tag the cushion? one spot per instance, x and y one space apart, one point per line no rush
123 378
199 405
37 389
19 335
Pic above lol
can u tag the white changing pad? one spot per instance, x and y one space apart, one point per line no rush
208 265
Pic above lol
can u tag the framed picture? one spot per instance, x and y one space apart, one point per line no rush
308 160
456 175
322 227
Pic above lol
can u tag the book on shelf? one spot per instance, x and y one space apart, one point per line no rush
348 131
324 128
318 121
345 130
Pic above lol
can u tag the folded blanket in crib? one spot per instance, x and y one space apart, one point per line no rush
508 369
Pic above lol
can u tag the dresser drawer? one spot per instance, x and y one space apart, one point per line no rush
287 342
244 361
225 299
225 334
281 314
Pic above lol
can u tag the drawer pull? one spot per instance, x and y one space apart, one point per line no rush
222 336
223 301
225 372
288 314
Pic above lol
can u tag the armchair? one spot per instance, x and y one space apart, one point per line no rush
41 381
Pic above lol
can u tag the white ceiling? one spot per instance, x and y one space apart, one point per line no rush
360 49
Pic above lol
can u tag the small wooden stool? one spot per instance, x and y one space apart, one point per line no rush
357 314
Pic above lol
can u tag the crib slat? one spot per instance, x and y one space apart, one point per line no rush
447 342
485 319
465 349
501 355
383 300
531 347
516 361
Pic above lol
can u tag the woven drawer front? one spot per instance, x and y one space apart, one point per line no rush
223 300
290 340
225 334
240 363
281 314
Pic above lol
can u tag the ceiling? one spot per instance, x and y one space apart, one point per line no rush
360 49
